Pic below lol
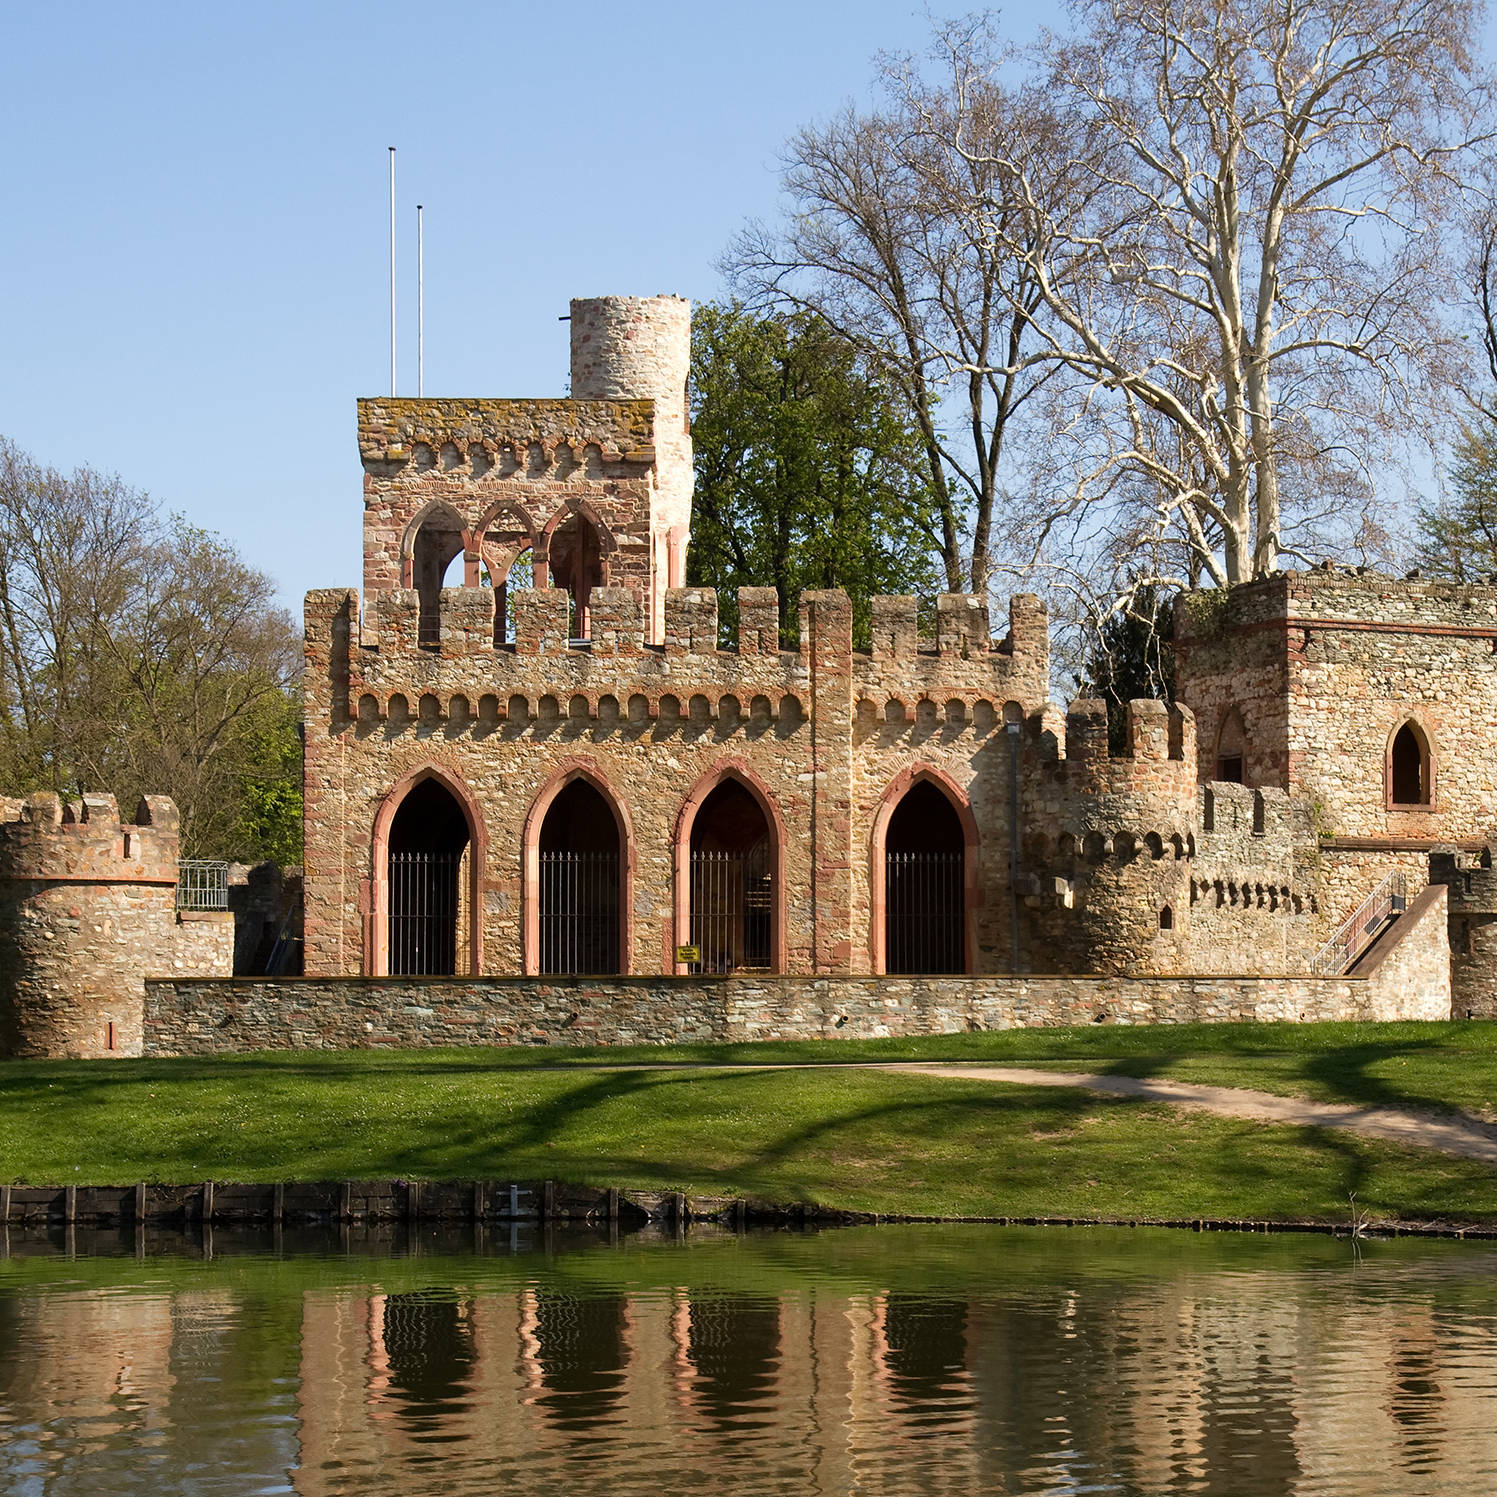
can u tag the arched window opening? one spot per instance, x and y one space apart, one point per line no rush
580 884
517 578
925 917
1231 749
1166 918
427 884
732 883
1409 767
439 542
576 558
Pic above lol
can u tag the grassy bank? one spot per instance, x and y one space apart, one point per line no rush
866 1141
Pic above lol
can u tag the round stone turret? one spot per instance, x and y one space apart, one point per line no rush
1114 836
87 910
639 348
633 348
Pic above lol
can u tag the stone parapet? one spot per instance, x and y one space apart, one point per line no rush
486 436
49 838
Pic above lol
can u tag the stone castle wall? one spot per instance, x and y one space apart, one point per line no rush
1325 666
822 735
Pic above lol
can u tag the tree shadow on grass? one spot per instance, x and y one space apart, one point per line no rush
1345 1074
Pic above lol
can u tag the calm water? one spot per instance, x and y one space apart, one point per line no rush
880 1360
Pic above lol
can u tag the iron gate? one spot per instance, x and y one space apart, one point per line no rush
732 908
424 910
579 913
924 915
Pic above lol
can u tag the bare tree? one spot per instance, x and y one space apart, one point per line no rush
880 244
1251 296
136 653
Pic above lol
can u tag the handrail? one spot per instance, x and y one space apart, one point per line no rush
202 884
1365 923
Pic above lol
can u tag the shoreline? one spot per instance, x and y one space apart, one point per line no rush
550 1203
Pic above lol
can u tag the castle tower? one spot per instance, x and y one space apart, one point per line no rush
87 910
633 347
1111 838
575 494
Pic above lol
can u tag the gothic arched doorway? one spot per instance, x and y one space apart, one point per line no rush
925 907
732 909
427 879
581 884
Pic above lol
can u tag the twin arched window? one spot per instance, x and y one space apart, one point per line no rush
510 553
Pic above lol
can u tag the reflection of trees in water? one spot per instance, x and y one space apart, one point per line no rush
429 1349
734 1345
581 1351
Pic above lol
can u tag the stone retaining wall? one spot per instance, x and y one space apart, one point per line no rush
202 1017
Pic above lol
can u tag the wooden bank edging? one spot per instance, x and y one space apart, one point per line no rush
549 1202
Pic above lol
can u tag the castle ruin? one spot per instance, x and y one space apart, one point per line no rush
559 779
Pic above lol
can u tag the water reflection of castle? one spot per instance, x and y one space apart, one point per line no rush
1213 1382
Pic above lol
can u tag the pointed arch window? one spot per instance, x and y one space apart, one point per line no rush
438 541
1231 749
1410 768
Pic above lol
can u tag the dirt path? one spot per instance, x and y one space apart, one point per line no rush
1449 1134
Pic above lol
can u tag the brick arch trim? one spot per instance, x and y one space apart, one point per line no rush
499 562
377 915
1427 753
579 768
413 529
723 770
898 788
574 505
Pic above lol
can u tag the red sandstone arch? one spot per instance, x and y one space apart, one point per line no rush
499 562
727 769
581 508
413 529
376 915
898 788
530 853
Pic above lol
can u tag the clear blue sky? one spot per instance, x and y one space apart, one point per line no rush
194 263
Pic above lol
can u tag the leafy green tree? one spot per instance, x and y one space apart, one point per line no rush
805 475
1458 535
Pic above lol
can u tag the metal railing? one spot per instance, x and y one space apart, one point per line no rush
732 910
202 884
924 919
1362 927
579 913
424 913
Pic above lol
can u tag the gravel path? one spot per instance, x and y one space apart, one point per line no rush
1450 1133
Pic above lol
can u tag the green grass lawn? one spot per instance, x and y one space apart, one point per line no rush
865 1141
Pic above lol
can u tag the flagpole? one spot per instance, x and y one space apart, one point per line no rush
392 270
420 309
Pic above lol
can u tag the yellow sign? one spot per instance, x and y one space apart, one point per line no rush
687 954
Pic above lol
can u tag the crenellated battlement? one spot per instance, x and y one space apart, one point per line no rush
381 669
1073 754
47 838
